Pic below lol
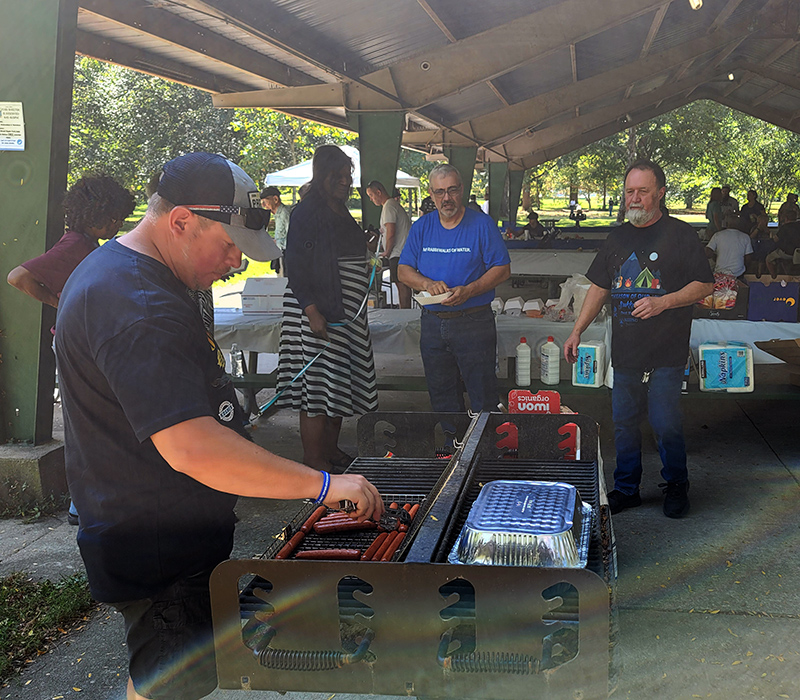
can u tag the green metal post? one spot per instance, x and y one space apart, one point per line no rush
497 189
37 54
379 137
463 158
514 192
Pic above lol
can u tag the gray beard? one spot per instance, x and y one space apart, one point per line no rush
641 217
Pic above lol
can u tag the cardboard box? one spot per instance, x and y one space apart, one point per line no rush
263 295
773 298
738 312
786 350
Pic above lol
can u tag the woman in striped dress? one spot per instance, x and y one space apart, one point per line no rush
327 265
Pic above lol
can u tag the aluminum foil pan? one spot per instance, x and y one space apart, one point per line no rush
525 523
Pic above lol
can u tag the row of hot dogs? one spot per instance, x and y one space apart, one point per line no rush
323 522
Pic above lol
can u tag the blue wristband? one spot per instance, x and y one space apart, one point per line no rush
326 483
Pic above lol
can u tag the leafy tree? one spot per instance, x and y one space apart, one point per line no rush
128 124
274 141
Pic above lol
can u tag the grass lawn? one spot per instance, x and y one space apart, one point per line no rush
551 209
34 613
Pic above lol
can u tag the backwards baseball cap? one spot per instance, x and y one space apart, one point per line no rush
215 188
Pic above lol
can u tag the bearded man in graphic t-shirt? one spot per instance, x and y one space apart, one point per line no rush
653 269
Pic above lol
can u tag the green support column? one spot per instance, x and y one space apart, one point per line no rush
497 189
37 54
463 158
514 192
379 137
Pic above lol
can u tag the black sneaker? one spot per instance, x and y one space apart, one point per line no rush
676 498
72 519
618 501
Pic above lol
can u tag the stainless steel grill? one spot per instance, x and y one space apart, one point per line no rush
418 626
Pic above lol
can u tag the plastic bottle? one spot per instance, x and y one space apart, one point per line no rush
523 363
550 362
237 361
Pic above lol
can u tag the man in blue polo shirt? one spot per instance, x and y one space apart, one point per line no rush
459 252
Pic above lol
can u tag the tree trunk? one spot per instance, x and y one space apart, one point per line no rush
526 191
631 158
573 192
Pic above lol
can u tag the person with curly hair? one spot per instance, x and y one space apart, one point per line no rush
94 208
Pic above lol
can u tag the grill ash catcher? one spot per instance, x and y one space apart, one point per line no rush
421 622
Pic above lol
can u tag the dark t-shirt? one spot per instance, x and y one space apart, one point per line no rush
54 267
749 213
134 358
652 261
789 237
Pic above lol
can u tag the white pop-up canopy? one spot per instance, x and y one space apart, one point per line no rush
300 174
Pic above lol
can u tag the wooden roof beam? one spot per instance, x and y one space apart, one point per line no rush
584 139
437 20
111 51
773 116
778 76
546 138
768 95
527 113
475 59
144 18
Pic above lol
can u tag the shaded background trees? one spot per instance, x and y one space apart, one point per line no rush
127 124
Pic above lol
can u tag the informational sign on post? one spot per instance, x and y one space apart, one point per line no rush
12 127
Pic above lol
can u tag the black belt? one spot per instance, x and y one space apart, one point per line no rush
457 314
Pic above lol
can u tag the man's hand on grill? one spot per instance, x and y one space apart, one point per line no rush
355 488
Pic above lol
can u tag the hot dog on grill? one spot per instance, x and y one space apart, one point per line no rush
291 545
379 540
337 554
322 528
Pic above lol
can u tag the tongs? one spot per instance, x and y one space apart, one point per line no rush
391 519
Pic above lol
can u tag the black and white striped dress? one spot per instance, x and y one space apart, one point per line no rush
342 381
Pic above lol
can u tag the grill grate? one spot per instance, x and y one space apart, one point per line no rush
399 480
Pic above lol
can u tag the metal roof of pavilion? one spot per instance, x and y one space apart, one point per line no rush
525 80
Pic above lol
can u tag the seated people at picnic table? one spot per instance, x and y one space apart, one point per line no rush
533 230
788 242
730 248
790 203
95 208
762 242
324 315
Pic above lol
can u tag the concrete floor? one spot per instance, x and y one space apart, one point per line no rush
708 604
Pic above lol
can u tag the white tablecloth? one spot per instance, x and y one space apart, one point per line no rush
393 331
396 332
550 263
712 330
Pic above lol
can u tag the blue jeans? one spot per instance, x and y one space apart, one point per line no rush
659 399
464 346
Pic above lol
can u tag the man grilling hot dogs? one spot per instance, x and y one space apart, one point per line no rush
155 449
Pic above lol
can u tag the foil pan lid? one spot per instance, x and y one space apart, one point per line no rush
524 507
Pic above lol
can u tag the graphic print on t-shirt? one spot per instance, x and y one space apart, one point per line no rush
631 283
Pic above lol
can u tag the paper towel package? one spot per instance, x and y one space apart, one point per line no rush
589 369
726 366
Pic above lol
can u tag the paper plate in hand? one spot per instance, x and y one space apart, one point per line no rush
423 298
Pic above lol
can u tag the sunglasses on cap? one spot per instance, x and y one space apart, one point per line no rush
255 218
